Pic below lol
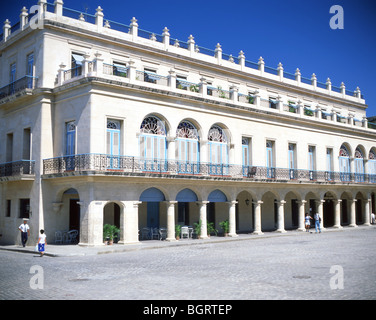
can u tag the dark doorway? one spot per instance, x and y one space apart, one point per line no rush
153 214
74 216
358 211
328 209
294 213
344 217
211 212
183 213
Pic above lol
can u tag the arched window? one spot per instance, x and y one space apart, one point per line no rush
218 150
359 165
152 143
187 147
344 164
372 165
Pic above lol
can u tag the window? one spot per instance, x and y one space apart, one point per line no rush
12 77
292 161
9 147
245 156
77 61
70 147
150 75
359 165
329 164
312 162
218 150
344 164
8 208
26 147
187 147
273 102
270 169
372 165
113 143
30 64
153 143
119 69
181 82
24 208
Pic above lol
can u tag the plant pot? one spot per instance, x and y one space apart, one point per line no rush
226 234
177 238
111 242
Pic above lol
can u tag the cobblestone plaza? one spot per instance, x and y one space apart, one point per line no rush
336 264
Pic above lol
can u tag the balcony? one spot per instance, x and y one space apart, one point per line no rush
17 170
84 164
27 82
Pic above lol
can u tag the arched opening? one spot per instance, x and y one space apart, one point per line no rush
150 208
111 216
218 151
187 210
244 212
359 208
217 209
329 209
269 212
311 206
359 164
345 208
187 147
291 211
344 163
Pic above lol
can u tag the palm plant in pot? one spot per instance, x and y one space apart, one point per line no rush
109 232
225 227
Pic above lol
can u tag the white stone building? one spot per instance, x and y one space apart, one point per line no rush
102 122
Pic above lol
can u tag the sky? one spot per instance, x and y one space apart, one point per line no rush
296 33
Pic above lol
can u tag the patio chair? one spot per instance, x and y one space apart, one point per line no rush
58 237
162 233
145 233
72 234
184 232
155 233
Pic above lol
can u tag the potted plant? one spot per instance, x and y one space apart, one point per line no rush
225 227
197 228
109 232
211 229
177 231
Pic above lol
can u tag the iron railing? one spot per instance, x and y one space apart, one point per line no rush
102 163
17 168
27 82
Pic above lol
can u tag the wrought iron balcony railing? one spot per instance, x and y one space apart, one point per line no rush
17 168
102 163
27 82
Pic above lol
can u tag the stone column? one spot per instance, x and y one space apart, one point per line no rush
91 223
203 217
261 65
172 79
320 210
58 7
301 215
218 53
298 76
257 226
99 18
133 28
241 58
337 213
171 220
203 87
281 217
367 214
232 218
166 38
23 18
353 213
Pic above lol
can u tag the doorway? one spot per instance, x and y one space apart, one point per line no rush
74 216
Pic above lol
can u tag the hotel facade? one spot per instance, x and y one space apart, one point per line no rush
102 122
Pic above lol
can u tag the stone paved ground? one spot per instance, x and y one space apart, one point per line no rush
295 265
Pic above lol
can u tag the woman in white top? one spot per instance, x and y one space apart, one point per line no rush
307 222
42 241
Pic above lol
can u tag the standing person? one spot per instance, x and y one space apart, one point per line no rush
307 221
42 241
317 222
25 231
372 218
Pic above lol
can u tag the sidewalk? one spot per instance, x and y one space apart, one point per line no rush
57 250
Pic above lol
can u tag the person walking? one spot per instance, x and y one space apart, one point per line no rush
317 222
307 222
25 231
42 242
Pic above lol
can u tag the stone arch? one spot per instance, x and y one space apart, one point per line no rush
269 211
330 199
244 211
150 208
291 208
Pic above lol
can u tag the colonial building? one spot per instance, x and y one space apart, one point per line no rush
102 122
